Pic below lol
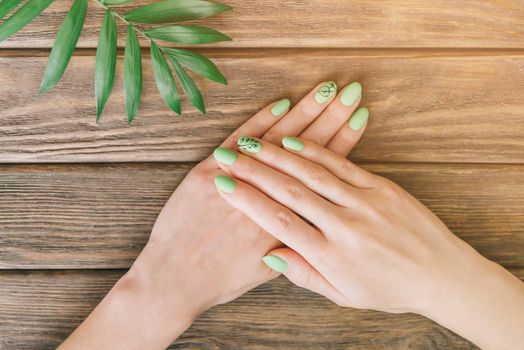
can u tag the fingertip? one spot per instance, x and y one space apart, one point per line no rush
280 108
293 143
225 184
276 263
359 119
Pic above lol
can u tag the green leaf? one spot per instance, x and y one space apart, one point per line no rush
7 5
187 34
197 63
105 62
116 2
189 86
171 11
23 16
164 79
132 74
64 45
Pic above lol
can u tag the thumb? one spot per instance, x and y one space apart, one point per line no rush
301 273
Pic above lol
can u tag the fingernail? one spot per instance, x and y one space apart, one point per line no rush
350 94
359 119
325 92
292 143
275 263
249 144
225 183
280 107
225 155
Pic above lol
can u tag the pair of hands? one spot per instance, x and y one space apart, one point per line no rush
354 237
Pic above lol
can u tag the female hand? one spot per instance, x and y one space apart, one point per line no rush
364 242
203 252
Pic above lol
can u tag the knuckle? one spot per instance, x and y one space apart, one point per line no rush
391 189
303 278
331 116
315 173
347 167
293 191
272 136
283 220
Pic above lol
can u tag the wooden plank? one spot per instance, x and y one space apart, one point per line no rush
44 307
330 23
424 107
100 216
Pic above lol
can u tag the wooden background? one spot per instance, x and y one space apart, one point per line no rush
444 81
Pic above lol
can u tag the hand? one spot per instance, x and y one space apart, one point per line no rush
367 243
202 252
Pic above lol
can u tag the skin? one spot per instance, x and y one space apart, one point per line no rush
203 252
368 244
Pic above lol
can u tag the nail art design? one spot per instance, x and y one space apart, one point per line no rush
249 144
326 92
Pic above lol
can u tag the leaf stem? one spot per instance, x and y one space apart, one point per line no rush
101 4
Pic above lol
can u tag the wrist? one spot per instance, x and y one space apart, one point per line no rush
133 316
479 299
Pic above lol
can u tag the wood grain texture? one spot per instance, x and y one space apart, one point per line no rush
329 23
39 309
431 107
100 216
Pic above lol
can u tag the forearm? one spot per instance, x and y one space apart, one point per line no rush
487 307
131 316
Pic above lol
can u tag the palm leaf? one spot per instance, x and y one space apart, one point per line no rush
164 79
197 63
64 45
132 74
22 17
187 34
171 11
189 86
105 62
7 5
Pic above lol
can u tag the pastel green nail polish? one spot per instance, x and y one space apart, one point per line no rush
350 94
292 143
275 263
225 156
359 119
325 92
249 144
225 183
280 107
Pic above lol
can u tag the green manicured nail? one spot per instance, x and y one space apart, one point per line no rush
325 92
225 155
350 94
292 143
225 183
249 144
359 119
280 107
275 263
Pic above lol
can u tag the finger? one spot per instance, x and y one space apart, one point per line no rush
271 216
309 173
303 113
281 187
260 122
300 272
350 133
335 163
334 116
